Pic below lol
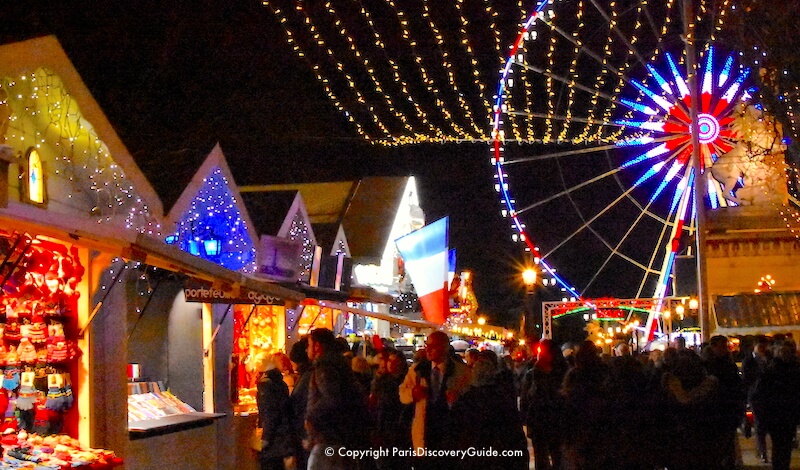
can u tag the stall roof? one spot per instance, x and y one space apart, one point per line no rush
400 320
24 57
135 246
365 208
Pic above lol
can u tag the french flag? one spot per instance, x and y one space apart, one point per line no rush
425 254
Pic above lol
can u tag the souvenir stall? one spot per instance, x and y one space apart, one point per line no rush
181 343
57 171
89 288
238 326
39 353
258 330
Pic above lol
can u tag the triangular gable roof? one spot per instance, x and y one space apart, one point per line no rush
365 209
215 159
268 210
297 208
369 219
330 236
324 202
26 57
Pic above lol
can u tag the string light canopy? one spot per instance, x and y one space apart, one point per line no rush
212 227
404 72
37 113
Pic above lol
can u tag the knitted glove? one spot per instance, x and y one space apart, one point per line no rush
26 398
11 378
55 399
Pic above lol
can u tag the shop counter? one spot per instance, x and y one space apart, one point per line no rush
169 424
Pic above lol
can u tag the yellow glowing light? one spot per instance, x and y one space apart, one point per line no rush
529 277
35 177
481 320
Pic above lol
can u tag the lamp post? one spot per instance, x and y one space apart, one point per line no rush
529 276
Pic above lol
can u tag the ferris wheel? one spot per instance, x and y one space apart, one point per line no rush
592 139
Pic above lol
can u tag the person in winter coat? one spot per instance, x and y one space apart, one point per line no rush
433 385
298 399
336 415
731 404
485 419
390 417
776 401
274 415
546 405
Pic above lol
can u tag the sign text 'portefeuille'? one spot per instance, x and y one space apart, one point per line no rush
211 295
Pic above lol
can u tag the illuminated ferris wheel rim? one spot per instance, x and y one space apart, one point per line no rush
497 143
711 121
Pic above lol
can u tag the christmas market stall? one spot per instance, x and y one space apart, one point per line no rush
103 346
347 229
234 323
57 171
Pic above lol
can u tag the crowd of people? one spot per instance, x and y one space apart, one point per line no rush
328 408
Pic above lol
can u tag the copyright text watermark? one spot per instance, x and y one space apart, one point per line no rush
379 452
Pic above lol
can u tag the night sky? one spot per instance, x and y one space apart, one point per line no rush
175 78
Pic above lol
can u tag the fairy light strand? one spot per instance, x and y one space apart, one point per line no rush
315 68
40 113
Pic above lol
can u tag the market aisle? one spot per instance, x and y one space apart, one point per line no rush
750 460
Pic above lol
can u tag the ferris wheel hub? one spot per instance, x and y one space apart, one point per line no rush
708 128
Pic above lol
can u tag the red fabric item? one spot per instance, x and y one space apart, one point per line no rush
377 342
3 402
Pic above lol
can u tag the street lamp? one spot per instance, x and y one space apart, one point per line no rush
529 276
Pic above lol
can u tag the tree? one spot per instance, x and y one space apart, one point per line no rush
765 32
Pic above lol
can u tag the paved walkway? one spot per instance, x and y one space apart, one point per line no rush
750 460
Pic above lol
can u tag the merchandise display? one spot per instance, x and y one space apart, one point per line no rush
38 322
257 330
24 450
154 405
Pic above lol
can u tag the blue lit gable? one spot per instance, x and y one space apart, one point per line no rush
213 227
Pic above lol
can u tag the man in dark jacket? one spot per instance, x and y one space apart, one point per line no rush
730 407
336 414
299 398
753 367
777 401
273 416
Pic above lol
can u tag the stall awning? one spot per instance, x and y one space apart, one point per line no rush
400 320
135 246
368 294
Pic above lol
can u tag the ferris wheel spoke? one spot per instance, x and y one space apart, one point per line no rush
652 171
654 255
598 148
565 80
570 190
587 223
584 49
651 22
615 251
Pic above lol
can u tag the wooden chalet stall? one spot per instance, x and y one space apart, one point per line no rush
354 223
87 269
210 222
